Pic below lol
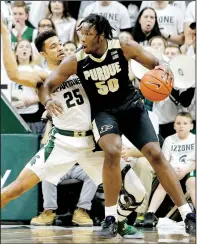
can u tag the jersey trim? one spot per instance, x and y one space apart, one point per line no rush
81 55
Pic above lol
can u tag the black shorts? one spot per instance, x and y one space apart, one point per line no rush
131 119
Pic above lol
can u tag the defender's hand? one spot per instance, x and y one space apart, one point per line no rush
4 28
166 73
54 107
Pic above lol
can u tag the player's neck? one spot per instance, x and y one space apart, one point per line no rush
160 4
52 66
101 50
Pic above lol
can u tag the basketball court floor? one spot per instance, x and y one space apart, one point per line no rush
54 234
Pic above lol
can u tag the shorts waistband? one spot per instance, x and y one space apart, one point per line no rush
74 133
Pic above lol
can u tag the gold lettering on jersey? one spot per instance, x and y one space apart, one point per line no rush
102 73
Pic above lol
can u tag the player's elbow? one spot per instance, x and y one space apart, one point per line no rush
14 76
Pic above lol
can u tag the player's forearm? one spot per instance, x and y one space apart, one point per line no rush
9 59
44 93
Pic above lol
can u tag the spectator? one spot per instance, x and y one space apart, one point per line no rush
64 23
82 7
49 191
146 26
179 150
69 48
77 34
167 109
172 51
45 24
133 12
170 21
116 13
37 11
190 49
158 43
21 31
189 18
25 99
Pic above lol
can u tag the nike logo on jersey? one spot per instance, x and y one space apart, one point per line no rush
85 66
153 83
105 128
102 73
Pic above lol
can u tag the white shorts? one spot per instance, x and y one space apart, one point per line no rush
61 152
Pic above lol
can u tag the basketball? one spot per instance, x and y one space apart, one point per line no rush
153 87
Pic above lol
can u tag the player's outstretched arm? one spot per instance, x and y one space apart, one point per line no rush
25 78
67 68
132 50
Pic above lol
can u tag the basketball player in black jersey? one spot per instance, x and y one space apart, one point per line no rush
102 66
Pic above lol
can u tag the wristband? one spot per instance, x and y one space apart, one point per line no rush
50 99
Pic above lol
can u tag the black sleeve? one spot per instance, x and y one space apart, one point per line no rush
186 97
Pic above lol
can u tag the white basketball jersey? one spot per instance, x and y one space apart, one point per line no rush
179 151
76 107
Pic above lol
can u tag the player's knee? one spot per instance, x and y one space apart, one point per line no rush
18 188
113 151
154 154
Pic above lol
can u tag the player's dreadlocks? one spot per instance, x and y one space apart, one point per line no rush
101 25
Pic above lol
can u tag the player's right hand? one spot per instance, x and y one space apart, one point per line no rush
54 107
4 28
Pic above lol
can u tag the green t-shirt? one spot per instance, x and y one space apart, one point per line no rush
27 35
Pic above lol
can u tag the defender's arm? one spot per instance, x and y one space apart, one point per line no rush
67 68
25 78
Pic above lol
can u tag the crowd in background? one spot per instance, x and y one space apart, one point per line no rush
166 26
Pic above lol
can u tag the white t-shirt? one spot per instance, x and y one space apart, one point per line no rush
190 13
116 13
181 5
65 29
166 110
179 151
38 11
26 91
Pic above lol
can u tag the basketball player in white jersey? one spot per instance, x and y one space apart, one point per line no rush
70 140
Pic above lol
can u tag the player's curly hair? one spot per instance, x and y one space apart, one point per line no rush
42 37
101 25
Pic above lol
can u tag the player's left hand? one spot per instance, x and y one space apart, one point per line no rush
167 73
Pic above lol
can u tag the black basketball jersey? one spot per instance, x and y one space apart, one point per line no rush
105 79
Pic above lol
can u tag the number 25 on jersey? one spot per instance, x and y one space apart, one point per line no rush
111 86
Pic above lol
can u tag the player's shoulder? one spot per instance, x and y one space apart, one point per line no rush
80 54
114 44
